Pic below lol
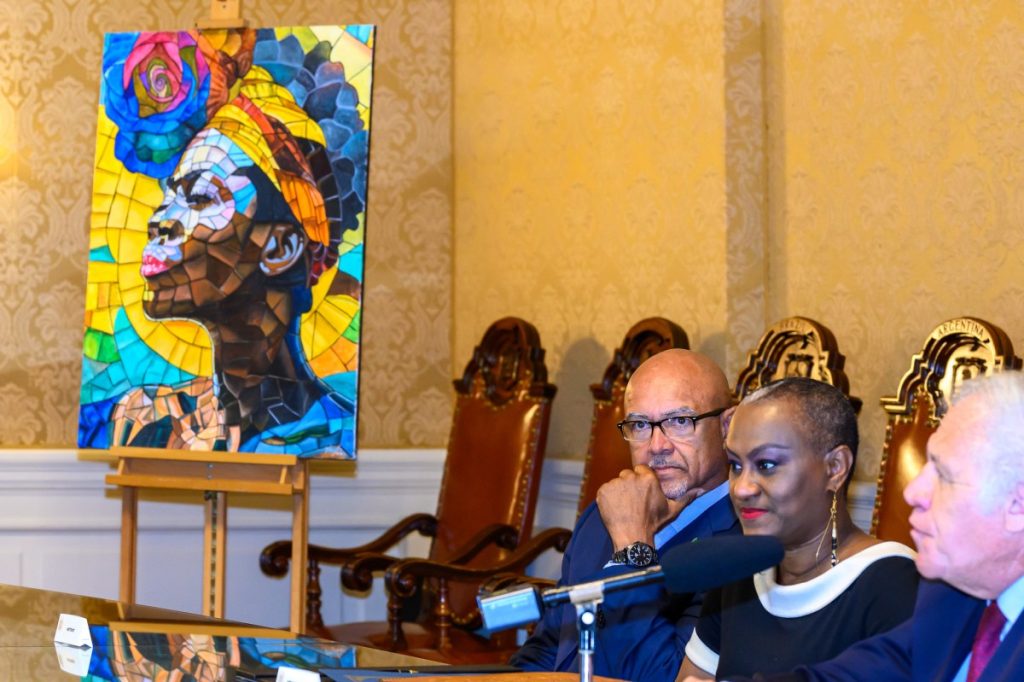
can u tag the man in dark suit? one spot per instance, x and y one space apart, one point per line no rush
968 524
676 492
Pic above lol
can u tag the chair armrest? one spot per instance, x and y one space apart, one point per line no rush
501 581
357 572
551 538
402 576
276 556
500 534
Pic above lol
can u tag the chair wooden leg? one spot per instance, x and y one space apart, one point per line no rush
395 632
443 615
314 620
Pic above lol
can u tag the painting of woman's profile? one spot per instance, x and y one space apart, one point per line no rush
226 241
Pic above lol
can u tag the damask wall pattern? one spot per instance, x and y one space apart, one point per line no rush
896 154
590 180
746 179
594 182
887 200
49 85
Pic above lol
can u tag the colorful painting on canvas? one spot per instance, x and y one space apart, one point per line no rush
226 241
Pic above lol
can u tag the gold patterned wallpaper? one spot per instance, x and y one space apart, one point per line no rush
49 84
897 165
610 165
591 184
584 164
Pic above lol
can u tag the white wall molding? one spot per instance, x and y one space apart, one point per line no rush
862 502
559 493
60 527
373 493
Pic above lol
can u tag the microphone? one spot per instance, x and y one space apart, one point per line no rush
719 560
693 567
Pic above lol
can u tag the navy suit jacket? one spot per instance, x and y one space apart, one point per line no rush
642 631
930 647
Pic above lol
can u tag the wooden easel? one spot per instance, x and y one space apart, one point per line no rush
216 474
223 14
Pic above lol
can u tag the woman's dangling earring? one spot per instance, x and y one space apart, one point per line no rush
835 534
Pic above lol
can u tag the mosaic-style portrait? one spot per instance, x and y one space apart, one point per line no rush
226 241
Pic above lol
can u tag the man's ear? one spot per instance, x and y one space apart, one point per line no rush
726 420
284 246
1014 515
838 466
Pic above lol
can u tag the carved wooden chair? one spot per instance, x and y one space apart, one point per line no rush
954 352
486 501
795 347
607 455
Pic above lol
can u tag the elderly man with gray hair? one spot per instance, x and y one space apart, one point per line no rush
968 524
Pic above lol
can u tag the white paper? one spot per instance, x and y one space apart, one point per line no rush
285 674
73 631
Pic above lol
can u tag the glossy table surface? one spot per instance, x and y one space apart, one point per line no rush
133 643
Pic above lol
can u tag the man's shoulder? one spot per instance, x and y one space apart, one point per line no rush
589 520
722 519
718 519
938 596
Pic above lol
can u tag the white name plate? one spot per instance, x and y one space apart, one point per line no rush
297 675
73 631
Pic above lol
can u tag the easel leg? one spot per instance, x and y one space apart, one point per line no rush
300 550
129 543
215 536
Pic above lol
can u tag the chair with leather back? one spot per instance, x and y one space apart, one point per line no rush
607 452
795 347
487 497
955 351
607 455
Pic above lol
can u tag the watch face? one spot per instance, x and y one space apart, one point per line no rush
640 554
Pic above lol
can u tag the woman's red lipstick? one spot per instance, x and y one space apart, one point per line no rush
751 512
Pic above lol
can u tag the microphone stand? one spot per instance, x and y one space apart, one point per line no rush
706 564
521 605
586 598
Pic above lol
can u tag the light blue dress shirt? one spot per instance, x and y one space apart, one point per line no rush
690 514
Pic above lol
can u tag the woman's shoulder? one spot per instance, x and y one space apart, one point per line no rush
874 550
881 560
890 563
863 571
859 542
885 592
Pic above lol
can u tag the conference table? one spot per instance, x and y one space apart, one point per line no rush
135 643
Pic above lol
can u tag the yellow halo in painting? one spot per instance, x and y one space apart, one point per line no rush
122 203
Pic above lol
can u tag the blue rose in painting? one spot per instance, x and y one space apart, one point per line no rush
155 88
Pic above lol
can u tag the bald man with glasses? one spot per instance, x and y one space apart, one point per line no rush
677 491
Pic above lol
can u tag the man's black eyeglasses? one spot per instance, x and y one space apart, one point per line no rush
679 427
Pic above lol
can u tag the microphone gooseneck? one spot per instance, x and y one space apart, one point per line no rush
693 567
